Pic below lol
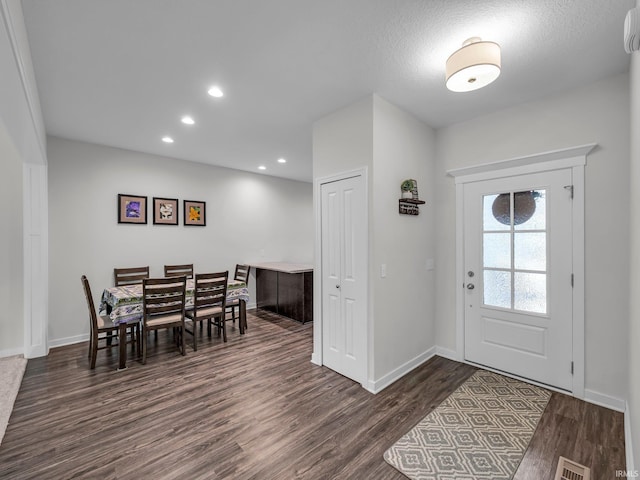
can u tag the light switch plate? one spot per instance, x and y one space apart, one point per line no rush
383 270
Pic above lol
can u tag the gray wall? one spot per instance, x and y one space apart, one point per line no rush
11 313
634 314
598 113
403 302
250 217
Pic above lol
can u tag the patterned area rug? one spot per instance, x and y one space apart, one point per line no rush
11 372
480 432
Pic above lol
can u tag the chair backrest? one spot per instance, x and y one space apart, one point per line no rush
210 290
242 273
130 276
163 296
92 309
178 270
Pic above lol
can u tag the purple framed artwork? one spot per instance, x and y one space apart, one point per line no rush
132 209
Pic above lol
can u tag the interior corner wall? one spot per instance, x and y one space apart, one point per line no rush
393 146
342 142
403 148
597 113
22 143
250 217
634 263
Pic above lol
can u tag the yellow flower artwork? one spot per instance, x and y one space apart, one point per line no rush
194 213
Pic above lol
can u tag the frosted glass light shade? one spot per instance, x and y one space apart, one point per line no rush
473 66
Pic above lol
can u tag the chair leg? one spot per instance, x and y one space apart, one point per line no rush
184 344
233 314
144 345
223 327
195 329
94 351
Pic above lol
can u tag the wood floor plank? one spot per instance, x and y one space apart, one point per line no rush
252 408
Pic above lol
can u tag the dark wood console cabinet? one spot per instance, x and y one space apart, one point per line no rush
286 293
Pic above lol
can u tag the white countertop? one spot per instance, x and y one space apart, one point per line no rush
284 267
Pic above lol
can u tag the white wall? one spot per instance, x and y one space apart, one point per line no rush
404 303
250 217
343 140
634 263
393 146
594 114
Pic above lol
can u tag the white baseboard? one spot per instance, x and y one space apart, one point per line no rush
604 400
60 342
447 353
315 360
377 386
628 440
11 352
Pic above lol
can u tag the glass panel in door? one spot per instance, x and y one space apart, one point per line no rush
514 251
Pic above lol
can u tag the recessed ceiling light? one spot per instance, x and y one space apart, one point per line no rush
282 160
262 167
215 92
167 139
187 120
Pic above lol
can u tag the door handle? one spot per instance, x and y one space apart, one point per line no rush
337 286
470 286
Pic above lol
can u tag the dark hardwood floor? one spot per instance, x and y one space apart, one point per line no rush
253 408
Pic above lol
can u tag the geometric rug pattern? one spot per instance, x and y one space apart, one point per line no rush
479 432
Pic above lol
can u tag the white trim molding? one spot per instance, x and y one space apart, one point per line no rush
447 353
574 158
61 342
604 400
376 386
36 260
628 440
11 352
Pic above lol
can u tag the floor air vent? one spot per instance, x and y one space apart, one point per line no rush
568 470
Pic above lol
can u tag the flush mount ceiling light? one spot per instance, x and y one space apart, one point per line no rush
282 160
167 139
262 167
215 92
187 120
473 66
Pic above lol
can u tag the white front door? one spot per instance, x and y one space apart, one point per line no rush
344 267
518 276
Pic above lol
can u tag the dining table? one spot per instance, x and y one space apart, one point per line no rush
124 306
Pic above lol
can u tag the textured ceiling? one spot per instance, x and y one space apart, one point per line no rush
122 72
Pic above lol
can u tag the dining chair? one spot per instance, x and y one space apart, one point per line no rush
209 301
178 270
242 274
163 306
130 276
103 328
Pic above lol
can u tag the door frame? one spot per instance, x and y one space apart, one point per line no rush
574 158
316 356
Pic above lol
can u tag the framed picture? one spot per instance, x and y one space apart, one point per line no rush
194 213
132 209
165 211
